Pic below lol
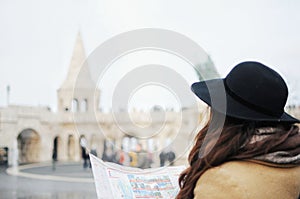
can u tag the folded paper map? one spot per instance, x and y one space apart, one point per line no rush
116 181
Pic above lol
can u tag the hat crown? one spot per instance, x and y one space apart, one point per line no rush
258 86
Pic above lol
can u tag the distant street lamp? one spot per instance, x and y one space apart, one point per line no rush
7 93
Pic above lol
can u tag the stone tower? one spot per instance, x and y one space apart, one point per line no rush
86 96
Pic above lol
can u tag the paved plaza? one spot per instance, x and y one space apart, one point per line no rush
40 181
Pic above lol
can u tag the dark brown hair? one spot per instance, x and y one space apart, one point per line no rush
232 144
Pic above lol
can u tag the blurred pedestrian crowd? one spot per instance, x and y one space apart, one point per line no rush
137 157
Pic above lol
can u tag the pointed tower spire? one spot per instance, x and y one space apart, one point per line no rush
67 101
76 64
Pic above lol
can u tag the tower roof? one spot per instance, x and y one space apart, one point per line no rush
77 65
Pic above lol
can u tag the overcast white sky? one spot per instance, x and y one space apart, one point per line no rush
37 37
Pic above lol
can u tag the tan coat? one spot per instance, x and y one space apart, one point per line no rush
244 179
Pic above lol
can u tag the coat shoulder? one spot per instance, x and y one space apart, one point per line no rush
243 179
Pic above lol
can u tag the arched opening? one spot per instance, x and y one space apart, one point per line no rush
74 105
129 143
133 143
94 142
84 150
29 146
94 145
57 149
150 145
3 155
84 105
108 154
125 144
71 147
83 145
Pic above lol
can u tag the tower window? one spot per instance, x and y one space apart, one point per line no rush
74 105
84 105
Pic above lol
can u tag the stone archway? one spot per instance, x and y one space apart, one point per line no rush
83 145
57 147
71 147
29 143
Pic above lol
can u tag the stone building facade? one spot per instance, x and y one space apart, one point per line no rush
32 134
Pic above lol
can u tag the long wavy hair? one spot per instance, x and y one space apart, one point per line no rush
229 140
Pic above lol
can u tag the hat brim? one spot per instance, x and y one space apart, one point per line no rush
213 93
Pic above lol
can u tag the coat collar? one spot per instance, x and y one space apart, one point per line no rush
272 164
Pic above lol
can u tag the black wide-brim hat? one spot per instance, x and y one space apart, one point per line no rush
251 91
